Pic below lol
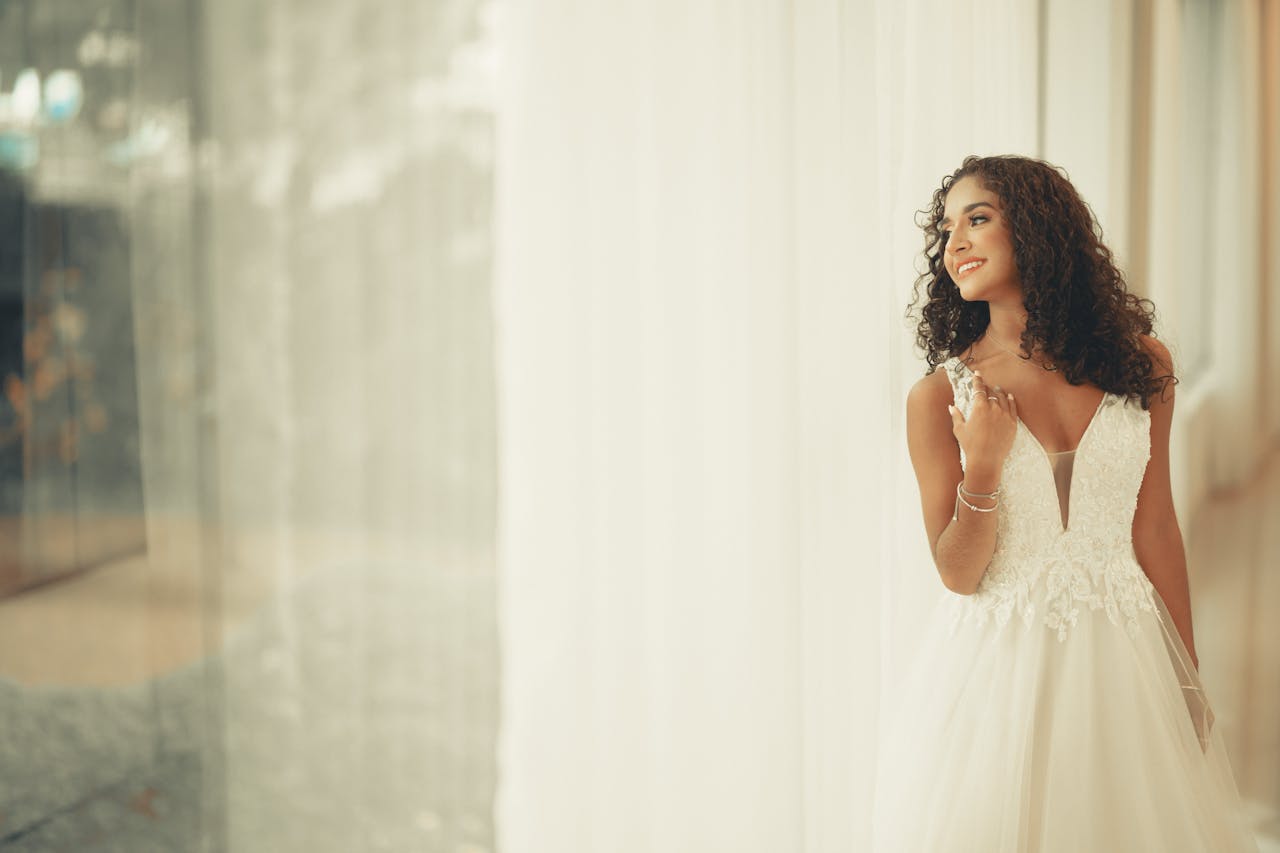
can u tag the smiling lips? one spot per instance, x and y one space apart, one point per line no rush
969 266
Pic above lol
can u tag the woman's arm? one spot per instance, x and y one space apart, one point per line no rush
961 547
1157 539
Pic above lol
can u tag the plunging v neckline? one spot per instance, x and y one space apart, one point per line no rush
1044 454
1083 435
1075 465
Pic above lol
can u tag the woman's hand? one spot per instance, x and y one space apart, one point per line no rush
986 436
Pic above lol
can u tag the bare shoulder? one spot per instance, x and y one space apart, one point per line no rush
1159 352
929 393
1163 370
928 421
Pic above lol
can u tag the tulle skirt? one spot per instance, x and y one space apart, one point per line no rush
1006 738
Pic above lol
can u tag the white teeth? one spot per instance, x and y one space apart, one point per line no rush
969 266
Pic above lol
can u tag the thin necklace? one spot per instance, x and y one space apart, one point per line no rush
996 341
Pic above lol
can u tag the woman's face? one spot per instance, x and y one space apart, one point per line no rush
979 248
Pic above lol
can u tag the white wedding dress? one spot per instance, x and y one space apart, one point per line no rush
1056 708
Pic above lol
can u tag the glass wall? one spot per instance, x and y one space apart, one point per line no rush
247 429
70 474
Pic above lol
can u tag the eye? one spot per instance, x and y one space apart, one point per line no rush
976 218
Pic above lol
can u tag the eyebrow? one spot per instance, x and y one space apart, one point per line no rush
967 208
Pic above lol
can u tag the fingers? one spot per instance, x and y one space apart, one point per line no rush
1002 398
984 393
980 391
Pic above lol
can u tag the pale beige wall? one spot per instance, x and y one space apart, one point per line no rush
1269 313
1165 114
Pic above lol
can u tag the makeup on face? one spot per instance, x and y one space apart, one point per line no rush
977 244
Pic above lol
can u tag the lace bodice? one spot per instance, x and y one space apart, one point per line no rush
1047 569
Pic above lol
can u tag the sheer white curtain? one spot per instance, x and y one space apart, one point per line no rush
339 468
708 530
649 523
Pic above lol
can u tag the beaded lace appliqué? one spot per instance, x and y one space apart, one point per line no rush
1039 568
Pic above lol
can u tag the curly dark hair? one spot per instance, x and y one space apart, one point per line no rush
1079 313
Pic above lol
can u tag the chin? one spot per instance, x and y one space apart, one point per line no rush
987 290
969 293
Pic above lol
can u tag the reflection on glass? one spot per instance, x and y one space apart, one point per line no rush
71 493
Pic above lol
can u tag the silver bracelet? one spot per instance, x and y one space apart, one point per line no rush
955 515
968 493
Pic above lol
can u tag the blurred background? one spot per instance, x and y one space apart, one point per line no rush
455 425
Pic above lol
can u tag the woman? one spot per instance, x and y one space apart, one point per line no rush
1055 704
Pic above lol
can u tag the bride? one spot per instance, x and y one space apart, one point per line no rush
1055 705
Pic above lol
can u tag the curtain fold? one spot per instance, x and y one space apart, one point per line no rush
1236 255
648 529
348 533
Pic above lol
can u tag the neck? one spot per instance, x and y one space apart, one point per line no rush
1007 325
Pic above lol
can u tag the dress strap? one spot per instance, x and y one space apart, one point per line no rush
961 379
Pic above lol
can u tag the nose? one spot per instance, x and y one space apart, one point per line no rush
957 242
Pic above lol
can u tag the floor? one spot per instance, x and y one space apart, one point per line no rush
153 613
348 706
1233 553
